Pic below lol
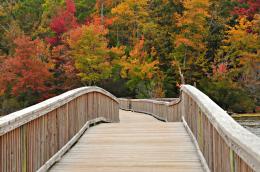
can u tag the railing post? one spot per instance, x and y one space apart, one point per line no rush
183 104
232 160
24 144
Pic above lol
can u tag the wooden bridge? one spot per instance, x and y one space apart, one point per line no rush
84 130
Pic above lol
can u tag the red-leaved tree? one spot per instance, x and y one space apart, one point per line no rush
63 22
27 71
248 8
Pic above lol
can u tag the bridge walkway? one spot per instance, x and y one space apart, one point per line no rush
139 143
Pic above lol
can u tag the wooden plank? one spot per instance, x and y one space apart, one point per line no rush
138 143
68 145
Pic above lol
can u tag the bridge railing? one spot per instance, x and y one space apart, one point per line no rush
224 144
159 108
34 138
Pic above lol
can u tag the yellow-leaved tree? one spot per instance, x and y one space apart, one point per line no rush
190 38
89 49
130 18
242 52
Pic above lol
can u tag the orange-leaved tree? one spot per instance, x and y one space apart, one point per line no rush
141 69
25 74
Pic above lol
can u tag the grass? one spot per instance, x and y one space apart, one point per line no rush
246 115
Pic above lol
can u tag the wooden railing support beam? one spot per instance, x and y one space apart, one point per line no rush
34 138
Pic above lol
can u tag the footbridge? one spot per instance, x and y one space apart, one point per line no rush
89 129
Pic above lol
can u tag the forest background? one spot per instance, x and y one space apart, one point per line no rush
132 48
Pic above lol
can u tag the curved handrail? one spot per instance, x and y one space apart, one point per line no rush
170 103
169 111
167 103
243 142
36 137
16 119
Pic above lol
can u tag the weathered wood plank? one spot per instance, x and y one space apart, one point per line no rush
138 143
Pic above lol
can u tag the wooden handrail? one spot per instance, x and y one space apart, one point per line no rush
34 138
225 145
163 110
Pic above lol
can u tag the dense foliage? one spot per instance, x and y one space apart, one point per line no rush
132 48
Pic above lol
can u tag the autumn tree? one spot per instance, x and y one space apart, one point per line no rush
64 71
131 15
241 53
24 76
190 39
142 71
247 8
84 9
159 33
89 50
63 22
217 23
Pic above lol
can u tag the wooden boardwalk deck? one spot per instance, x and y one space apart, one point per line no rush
139 143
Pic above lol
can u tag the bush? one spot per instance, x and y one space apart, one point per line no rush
8 105
228 96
